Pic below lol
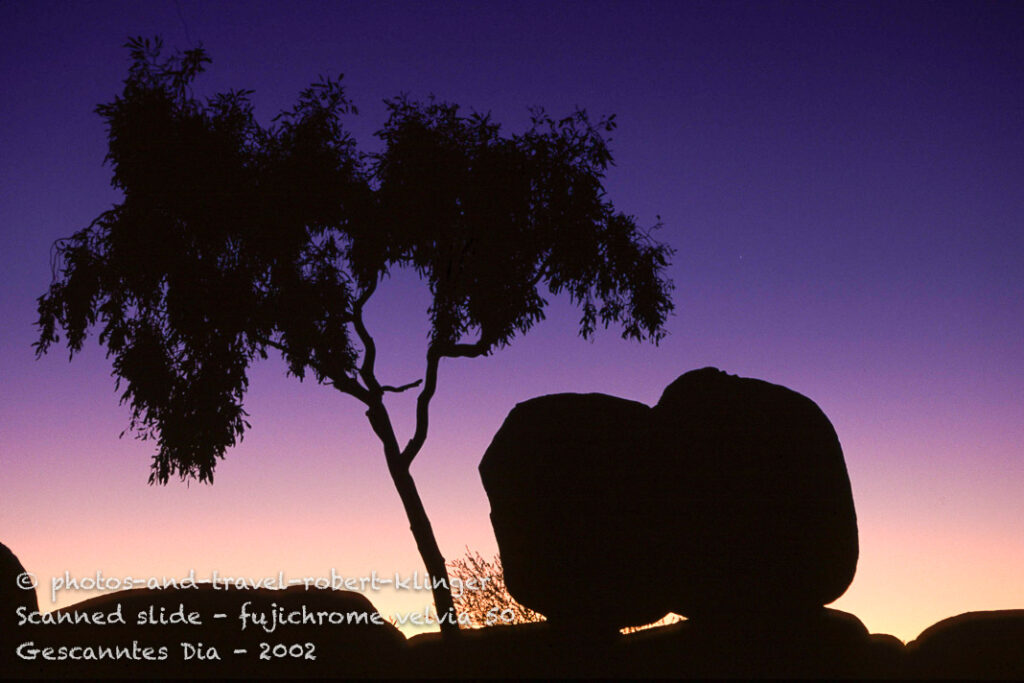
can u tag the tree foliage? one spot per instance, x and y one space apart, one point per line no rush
234 239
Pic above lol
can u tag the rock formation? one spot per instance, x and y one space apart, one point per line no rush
764 517
14 593
561 478
729 498
972 645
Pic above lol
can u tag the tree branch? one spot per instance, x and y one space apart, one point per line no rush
478 348
423 406
541 272
271 343
339 380
404 387
434 355
348 385
369 347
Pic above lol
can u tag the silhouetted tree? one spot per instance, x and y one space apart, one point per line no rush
233 239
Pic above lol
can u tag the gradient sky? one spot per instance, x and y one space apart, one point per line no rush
843 183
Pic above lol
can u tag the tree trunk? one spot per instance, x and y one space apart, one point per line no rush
426 543
399 462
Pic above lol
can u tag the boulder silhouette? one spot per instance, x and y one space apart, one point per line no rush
825 644
521 651
764 517
13 595
559 477
729 497
971 645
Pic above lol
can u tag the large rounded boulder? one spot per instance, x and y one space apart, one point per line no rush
561 476
764 517
729 497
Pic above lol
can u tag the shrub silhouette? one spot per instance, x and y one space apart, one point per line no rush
492 604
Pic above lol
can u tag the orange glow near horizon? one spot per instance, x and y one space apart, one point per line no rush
913 571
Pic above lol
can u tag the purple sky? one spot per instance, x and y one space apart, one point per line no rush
842 183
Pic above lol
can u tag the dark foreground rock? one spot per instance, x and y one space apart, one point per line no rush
828 644
729 497
178 634
971 645
14 594
825 644
820 643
